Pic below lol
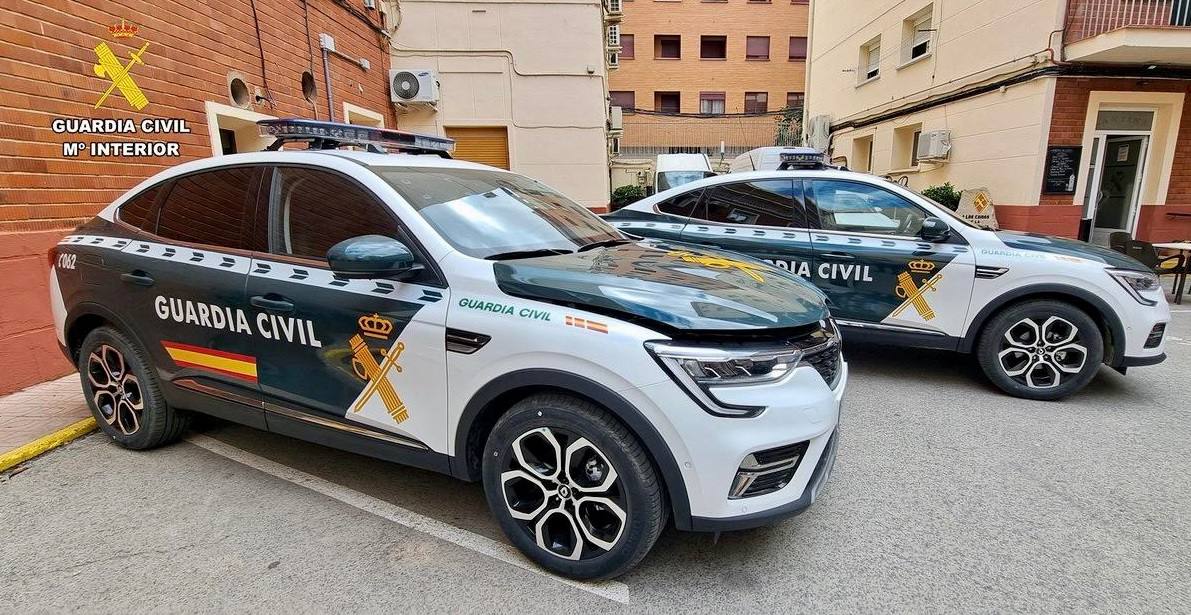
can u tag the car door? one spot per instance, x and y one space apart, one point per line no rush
875 269
764 218
349 354
182 285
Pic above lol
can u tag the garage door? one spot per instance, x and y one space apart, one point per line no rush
487 145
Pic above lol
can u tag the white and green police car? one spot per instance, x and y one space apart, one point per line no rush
1040 313
463 319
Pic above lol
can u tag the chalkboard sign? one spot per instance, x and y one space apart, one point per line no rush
1062 167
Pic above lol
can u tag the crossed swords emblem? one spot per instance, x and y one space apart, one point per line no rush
109 66
916 295
377 375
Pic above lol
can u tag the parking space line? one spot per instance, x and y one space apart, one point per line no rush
611 590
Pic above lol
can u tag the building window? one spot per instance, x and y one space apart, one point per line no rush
711 103
914 147
625 99
756 102
614 35
862 154
905 146
870 60
756 48
797 47
667 102
713 47
916 35
667 46
794 100
627 49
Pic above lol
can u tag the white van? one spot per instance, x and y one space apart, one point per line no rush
764 158
674 170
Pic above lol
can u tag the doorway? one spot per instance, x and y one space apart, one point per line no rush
1116 173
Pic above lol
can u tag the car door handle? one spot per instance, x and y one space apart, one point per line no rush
839 256
138 277
272 302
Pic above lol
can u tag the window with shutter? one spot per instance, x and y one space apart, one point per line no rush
797 47
756 48
711 103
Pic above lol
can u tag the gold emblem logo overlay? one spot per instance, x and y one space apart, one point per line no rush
120 74
916 295
716 262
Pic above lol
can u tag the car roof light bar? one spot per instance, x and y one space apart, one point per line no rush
802 158
332 135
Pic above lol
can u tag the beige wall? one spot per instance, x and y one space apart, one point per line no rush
537 68
974 40
998 140
691 75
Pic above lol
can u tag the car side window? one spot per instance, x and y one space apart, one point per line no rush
862 208
212 207
138 211
766 203
682 205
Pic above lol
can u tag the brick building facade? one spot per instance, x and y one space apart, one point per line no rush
218 65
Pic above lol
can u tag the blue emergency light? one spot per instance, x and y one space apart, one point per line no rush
332 135
801 158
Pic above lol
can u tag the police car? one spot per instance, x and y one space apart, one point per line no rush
463 319
1040 313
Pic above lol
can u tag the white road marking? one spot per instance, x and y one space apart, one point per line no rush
612 590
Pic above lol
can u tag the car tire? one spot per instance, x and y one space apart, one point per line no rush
121 388
1043 350
572 488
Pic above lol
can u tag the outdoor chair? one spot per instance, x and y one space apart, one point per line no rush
1145 252
1119 241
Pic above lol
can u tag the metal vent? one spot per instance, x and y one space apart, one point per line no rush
405 85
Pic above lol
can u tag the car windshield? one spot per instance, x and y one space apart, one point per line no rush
673 179
490 214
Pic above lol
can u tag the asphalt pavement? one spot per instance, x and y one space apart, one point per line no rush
946 496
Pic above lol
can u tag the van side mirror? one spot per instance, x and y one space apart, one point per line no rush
934 230
371 256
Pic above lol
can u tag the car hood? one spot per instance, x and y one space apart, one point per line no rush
1069 247
673 284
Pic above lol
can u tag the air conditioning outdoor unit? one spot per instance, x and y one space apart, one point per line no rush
615 118
413 86
934 145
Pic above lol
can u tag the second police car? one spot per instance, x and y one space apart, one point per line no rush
462 319
1040 313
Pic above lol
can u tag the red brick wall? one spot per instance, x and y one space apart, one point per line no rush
1055 213
46 59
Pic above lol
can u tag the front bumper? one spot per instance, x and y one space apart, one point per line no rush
765 517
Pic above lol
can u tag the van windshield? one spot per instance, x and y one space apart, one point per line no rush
491 214
673 179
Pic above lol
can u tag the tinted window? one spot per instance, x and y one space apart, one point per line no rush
489 213
315 210
681 205
209 208
767 203
137 210
861 208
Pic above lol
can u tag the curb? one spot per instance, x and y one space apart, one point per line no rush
47 443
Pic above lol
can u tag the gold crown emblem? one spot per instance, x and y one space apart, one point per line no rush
375 326
922 265
123 29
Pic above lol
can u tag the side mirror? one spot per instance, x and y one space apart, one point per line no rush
371 256
934 230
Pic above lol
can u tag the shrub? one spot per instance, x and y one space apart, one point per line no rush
946 195
626 195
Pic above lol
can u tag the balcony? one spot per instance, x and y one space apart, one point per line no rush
1129 31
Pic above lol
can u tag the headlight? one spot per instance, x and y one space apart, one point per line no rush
1136 283
699 368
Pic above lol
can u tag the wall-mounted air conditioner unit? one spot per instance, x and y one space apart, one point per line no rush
615 118
413 86
934 145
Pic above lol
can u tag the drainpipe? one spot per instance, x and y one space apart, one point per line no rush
327 45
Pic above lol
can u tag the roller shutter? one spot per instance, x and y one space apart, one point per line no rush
486 145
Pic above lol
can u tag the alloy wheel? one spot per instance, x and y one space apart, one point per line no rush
116 392
1040 353
564 493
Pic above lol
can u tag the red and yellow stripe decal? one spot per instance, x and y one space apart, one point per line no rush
226 363
583 323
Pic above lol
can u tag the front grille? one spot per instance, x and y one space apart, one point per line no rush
1155 336
826 362
767 471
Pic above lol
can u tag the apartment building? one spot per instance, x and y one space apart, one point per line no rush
1070 112
710 58
522 85
186 80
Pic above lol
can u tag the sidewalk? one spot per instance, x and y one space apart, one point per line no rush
40 410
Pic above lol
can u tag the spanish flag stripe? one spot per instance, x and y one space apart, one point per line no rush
209 351
240 368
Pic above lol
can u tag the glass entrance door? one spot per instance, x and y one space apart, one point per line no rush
1118 185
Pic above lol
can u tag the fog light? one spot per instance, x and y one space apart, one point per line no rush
767 471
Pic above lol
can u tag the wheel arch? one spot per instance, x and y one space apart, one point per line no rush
495 398
1105 317
85 318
